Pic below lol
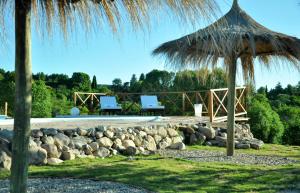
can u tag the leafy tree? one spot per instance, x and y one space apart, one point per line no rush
142 77
41 100
117 85
265 123
94 82
81 81
133 80
7 94
290 116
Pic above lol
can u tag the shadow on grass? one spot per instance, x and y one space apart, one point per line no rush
170 175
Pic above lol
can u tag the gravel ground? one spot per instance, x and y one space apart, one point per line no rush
216 156
67 185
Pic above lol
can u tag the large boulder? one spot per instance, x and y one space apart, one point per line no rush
242 146
47 139
128 143
37 155
178 146
94 146
105 142
78 142
5 161
208 131
102 152
52 151
130 150
88 150
186 129
61 139
256 143
82 132
6 134
108 134
68 155
149 143
172 132
49 131
162 132
36 133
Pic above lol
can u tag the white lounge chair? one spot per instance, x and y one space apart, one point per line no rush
150 103
109 104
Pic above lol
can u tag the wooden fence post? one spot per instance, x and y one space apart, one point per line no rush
5 108
75 99
183 103
211 105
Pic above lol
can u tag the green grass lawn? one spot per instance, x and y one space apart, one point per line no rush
175 175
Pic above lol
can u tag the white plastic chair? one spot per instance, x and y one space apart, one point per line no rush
109 103
150 102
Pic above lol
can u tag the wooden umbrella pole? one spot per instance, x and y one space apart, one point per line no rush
231 106
23 79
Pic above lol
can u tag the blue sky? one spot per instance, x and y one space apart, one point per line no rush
111 56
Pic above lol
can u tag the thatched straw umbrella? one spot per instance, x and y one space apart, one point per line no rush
65 14
234 36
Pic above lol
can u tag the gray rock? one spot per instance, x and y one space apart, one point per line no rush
37 155
36 133
109 134
138 141
61 139
6 134
47 139
98 135
157 138
88 150
193 139
242 146
130 151
223 135
200 138
49 131
186 129
176 139
149 143
69 132
5 161
54 161
128 143
172 132
68 155
162 132
256 144
142 134
178 146
101 128
52 151
94 146
79 142
163 145
221 139
208 131
82 132
105 142
102 152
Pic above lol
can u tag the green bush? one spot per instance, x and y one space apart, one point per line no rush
41 100
131 108
265 123
290 116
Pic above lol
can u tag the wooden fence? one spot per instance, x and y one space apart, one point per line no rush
213 101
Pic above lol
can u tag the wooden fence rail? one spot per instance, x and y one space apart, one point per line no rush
214 101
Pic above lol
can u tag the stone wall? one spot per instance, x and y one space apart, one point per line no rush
53 146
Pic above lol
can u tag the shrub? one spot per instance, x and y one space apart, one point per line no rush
41 100
265 123
290 116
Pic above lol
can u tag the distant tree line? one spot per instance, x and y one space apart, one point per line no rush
274 114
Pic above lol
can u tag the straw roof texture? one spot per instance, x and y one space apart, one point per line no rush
91 13
235 35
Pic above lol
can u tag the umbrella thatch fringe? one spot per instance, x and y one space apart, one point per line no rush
235 34
66 14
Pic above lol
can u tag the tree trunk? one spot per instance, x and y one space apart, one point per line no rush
22 114
231 107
